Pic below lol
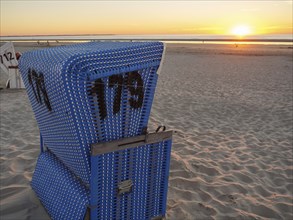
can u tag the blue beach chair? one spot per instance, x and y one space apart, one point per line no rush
92 102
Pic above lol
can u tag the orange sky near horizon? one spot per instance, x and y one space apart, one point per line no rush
143 17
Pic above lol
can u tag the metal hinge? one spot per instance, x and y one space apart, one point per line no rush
125 187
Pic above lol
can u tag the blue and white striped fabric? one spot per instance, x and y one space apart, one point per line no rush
147 166
61 193
89 93
64 84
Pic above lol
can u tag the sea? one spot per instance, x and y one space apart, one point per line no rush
286 39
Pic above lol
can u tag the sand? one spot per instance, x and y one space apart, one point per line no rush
232 110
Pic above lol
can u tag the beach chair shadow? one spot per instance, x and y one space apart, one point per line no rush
92 103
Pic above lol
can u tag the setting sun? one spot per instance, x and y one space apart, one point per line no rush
241 30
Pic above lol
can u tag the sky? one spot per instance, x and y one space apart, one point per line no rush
73 17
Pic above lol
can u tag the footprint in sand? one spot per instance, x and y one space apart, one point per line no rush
228 199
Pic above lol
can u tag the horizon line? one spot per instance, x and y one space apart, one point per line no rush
228 39
186 34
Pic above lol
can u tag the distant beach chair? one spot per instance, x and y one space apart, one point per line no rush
9 65
43 44
92 103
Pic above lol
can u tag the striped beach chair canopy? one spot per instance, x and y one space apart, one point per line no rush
92 103
89 93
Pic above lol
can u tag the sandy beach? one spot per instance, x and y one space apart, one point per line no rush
232 109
